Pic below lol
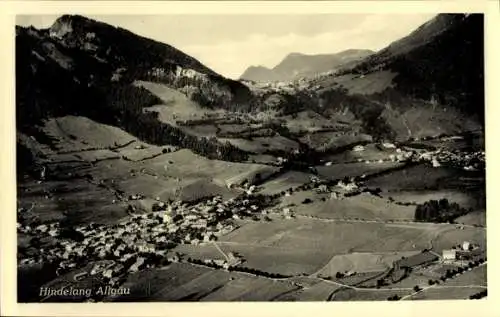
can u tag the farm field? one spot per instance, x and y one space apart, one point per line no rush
287 261
466 200
180 281
370 152
138 151
363 206
77 200
468 143
202 130
367 295
474 218
325 141
151 187
476 276
245 288
322 236
185 164
176 105
97 155
285 181
262 144
339 171
414 278
371 83
310 121
71 133
416 178
362 262
313 291
448 293
361 279
447 238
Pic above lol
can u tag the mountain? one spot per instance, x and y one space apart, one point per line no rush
90 52
82 67
259 74
428 83
296 65
443 61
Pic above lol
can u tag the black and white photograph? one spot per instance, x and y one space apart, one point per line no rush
250 158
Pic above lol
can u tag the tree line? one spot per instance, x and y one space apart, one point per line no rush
439 211
128 102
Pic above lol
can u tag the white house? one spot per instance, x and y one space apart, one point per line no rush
466 246
435 163
449 254
358 148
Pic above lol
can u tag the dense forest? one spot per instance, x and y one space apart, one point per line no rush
448 69
439 211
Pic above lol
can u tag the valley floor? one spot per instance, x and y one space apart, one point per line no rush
134 222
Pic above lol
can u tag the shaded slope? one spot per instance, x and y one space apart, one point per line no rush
442 61
65 71
428 83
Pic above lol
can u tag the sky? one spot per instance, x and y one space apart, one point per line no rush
229 44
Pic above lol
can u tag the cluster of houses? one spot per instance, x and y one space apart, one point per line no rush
278 86
469 161
343 188
144 239
464 251
230 260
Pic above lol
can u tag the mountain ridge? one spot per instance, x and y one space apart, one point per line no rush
296 65
86 68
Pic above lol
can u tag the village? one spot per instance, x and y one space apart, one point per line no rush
143 240
148 240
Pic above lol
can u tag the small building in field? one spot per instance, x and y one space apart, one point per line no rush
466 246
449 255
435 163
389 145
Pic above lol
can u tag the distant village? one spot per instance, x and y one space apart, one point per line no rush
472 161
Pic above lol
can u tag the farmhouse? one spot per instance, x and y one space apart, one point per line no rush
347 186
322 189
389 145
449 255
435 163
466 245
